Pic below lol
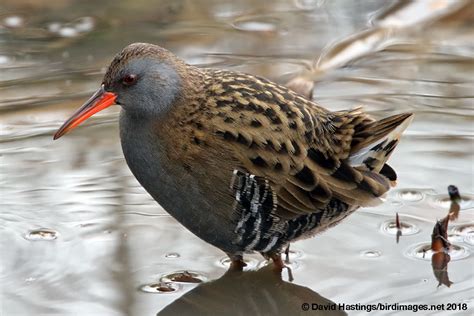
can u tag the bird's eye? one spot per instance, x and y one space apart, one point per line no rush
129 80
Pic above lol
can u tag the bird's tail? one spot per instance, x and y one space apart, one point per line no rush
374 141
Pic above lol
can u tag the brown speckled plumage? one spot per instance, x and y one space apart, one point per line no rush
274 133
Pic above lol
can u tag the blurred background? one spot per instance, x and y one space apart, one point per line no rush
80 236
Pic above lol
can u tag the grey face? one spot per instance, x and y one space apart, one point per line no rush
145 86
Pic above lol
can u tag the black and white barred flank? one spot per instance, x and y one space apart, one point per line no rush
258 229
255 203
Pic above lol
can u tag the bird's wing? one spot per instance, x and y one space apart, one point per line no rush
301 148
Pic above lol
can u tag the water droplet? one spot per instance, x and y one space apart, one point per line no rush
410 195
256 24
4 59
455 238
185 276
85 24
160 287
443 201
308 4
469 239
390 227
251 263
13 21
54 27
463 229
396 203
423 251
172 255
68 31
465 232
41 234
371 253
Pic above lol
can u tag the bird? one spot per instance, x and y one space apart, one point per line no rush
244 163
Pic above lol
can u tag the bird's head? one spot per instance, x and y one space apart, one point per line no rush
144 79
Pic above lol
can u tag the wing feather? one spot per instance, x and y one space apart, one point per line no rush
301 148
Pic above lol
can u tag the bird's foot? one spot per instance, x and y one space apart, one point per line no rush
237 263
279 266
287 254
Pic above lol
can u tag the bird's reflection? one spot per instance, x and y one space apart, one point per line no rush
261 292
439 262
440 244
440 247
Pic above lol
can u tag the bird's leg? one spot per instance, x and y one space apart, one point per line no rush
279 265
287 254
237 263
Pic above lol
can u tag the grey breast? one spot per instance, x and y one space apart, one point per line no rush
173 187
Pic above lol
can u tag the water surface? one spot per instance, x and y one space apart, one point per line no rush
80 236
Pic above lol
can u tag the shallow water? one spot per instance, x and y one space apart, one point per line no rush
80 236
